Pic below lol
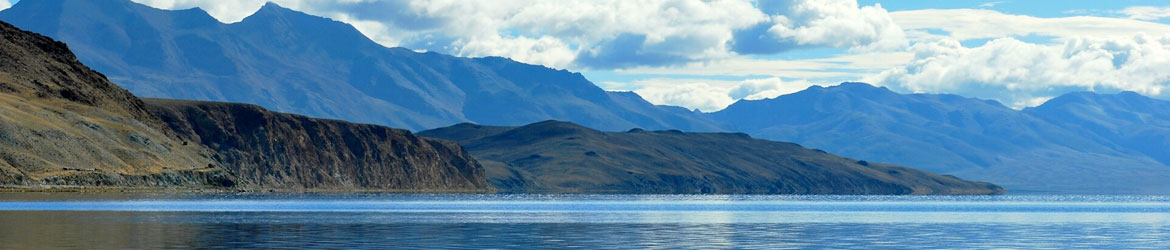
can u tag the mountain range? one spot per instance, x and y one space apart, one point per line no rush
290 61
63 125
1077 143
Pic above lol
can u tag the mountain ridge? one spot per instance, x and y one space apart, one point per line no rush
286 60
1126 119
967 137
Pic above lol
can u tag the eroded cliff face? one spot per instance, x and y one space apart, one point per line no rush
63 124
277 150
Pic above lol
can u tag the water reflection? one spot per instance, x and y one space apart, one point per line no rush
585 222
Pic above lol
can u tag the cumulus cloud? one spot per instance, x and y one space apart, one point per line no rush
706 95
551 33
819 23
603 34
837 23
4 4
591 34
1149 13
1022 74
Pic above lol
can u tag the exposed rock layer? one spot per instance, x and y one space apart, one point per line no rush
270 149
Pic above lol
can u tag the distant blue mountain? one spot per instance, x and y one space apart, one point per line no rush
293 62
1126 119
1079 143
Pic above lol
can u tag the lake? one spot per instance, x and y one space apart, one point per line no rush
118 221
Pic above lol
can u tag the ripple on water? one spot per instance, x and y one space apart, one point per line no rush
511 221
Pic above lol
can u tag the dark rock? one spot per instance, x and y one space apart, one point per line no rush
269 149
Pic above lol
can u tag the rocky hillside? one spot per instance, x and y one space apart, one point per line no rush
562 157
63 124
269 149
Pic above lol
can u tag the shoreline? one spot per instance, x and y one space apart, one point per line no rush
182 190
188 190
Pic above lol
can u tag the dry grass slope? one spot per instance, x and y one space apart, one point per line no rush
62 124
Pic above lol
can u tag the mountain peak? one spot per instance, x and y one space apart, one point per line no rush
271 6
858 87
271 10
290 27
855 85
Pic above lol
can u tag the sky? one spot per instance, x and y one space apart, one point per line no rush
708 54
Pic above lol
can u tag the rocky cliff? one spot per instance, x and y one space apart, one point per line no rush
63 124
269 149
562 157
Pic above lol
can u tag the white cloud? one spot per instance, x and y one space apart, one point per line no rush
838 23
548 51
1150 13
4 4
1019 73
965 24
706 95
583 34
551 33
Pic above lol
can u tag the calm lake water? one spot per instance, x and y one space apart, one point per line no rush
35 221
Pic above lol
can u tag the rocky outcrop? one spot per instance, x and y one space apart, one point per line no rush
269 149
562 157
63 124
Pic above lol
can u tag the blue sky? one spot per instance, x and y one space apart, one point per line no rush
707 54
